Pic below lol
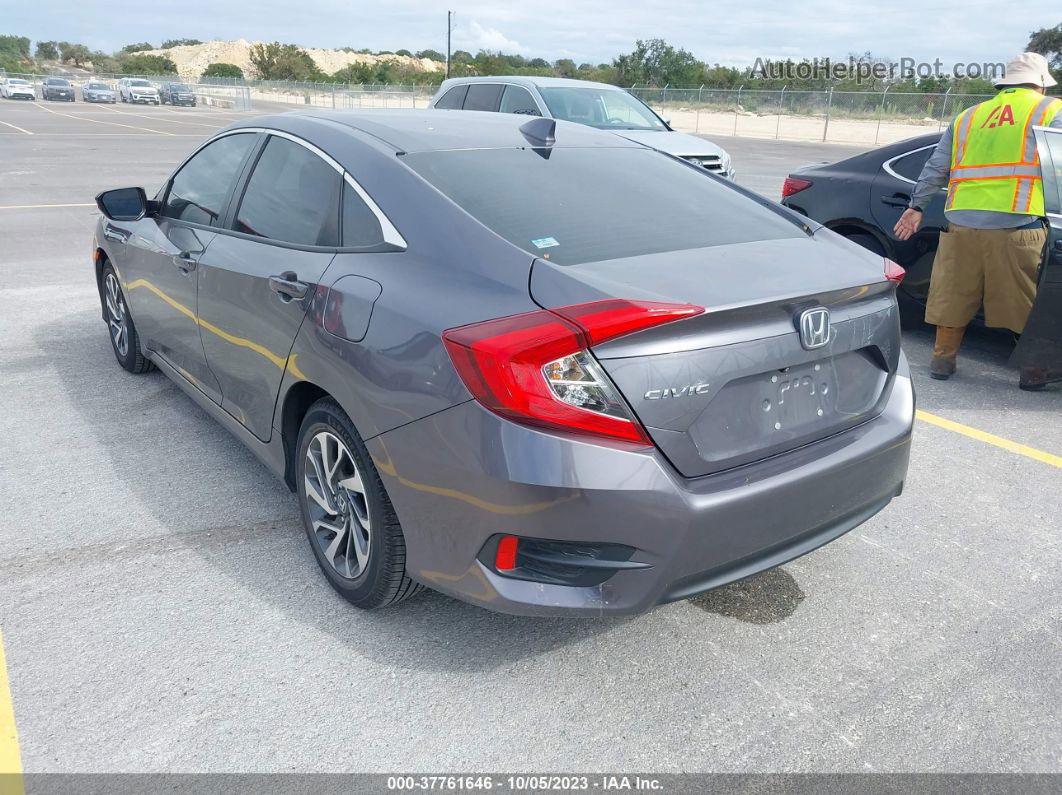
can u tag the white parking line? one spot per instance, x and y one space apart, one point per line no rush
16 127
97 121
165 121
39 206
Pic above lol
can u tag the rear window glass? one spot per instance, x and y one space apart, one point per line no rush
483 96
452 99
910 166
586 205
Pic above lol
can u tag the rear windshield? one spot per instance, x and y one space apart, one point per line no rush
587 205
139 83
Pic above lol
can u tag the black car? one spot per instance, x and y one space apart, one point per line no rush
863 197
176 94
57 88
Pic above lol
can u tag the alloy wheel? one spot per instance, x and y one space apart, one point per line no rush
118 320
337 504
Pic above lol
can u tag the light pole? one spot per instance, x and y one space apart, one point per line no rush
449 30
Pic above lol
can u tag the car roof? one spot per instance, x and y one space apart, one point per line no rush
530 80
437 130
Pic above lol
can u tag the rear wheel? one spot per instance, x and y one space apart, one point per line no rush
125 342
348 517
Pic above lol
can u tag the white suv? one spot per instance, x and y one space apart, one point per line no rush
136 89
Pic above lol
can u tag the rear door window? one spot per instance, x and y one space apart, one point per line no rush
361 227
452 99
910 165
483 96
292 197
518 100
199 190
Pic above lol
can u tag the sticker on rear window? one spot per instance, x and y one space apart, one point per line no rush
544 242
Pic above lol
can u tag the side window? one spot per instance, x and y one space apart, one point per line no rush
452 99
910 166
483 96
518 100
199 190
361 228
292 196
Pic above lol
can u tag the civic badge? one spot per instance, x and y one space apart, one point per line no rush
814 327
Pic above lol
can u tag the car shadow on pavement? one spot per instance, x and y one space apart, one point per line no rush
151 430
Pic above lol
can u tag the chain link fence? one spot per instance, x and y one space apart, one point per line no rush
861 117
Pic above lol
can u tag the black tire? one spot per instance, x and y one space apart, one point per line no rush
867 241
131 358
382 581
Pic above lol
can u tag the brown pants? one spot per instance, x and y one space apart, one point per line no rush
993 267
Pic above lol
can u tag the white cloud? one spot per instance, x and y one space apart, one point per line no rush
474 36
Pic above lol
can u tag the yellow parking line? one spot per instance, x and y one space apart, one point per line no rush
97 121
39 206
10 758
15 127
991 438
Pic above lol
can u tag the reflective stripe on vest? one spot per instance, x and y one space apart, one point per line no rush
995 165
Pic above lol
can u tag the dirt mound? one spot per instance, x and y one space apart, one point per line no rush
193 59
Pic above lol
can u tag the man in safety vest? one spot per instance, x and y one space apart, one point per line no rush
991 252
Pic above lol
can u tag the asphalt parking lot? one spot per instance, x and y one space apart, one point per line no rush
161 610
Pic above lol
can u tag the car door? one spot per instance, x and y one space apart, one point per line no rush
256 280
890 196
517 99
1040 345
161 253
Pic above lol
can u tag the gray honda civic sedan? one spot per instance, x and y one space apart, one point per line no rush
524 362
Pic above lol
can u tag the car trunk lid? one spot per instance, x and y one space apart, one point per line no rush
737 384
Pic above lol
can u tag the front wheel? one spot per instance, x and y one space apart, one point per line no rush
348 517
125 342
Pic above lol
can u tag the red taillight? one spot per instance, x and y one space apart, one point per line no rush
794 185
535 367
893 272
505 557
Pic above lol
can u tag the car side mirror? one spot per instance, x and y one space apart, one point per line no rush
124 204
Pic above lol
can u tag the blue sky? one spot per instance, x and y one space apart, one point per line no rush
730 32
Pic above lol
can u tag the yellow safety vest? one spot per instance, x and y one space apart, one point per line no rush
994 162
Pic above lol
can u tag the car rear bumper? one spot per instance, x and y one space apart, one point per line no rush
462 476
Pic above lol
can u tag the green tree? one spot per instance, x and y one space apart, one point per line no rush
659 64
47 51
1048 42
169 43
276 61
406 53
538 63
141 64
16 46
565 67
76 54
434 55
223 70
140 47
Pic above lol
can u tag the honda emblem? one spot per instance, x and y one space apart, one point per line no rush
814 327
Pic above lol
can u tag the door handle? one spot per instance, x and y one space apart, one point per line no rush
184 262
288 286
897 200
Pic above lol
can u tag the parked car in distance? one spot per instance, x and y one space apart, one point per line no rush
17 88
176 94
57 88
599 105
862 197
620 385
137 90
98 92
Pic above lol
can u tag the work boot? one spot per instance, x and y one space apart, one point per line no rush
1033 379
945 352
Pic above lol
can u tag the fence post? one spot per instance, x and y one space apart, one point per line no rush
333 96
944 110
737 107
881 110
829 104
781 105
